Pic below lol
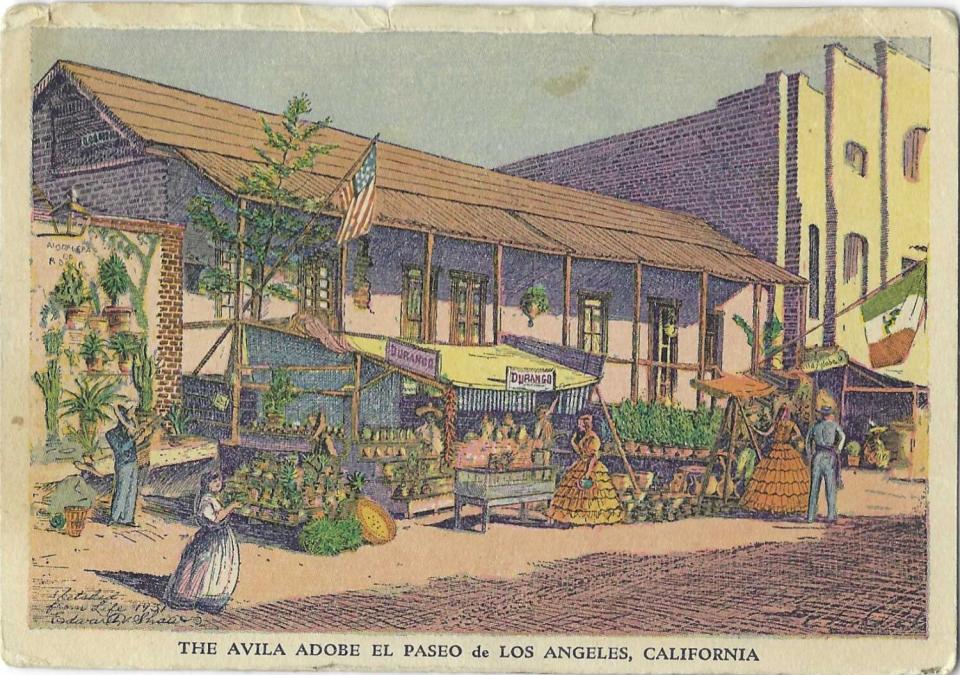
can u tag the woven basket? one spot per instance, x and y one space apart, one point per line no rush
76 517
376 525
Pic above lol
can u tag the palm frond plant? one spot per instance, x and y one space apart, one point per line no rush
72 294
124 345
91 403
93 350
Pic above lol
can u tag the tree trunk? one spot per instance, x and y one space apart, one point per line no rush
256 293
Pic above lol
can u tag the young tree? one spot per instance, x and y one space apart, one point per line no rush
275 215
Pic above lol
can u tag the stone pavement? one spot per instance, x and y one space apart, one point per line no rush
865 576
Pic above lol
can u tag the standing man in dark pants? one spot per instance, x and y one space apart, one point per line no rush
824 442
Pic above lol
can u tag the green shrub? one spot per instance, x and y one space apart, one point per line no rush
853 449
330 537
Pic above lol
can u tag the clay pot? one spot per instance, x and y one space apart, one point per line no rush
76 317
685 452
98 324
644 479
853 460
656 452
118 318
643 450
95 365
702 453
630 446
124 366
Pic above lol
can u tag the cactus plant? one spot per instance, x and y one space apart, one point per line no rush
144 371
51 386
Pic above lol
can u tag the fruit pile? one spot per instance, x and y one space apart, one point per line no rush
291 488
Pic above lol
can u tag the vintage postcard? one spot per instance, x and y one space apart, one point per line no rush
479 339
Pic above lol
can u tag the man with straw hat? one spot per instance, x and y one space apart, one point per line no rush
430 433
125 440
824 441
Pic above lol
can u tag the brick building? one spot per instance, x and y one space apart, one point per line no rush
652 293
831 185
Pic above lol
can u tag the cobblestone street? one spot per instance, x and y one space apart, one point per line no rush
864 576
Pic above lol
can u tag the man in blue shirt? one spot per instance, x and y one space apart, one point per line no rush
824 442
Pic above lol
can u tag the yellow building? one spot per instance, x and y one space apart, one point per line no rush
833 185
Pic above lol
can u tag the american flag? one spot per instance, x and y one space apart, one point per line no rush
356 196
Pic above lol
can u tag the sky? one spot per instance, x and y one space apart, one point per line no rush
479 98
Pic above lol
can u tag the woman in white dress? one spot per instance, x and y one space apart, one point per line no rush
210 565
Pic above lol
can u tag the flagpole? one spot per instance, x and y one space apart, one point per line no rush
843 311
291 247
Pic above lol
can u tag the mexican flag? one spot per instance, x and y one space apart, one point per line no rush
892 317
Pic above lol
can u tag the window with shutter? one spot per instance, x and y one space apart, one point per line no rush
912 149
855 155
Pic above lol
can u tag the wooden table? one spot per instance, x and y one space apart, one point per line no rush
487 489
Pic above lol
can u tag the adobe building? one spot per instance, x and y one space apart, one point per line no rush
834 186
642 297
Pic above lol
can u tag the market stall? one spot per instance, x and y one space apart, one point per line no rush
426 412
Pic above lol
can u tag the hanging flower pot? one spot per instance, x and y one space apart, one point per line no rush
534 302
361 295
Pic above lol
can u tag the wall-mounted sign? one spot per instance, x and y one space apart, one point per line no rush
823 358
415 359
527 379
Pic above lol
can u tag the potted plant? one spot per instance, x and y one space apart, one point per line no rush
534 302
124 345
93 349
115 282
71 293
178 420
276 399
853 453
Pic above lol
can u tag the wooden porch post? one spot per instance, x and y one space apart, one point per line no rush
567 270
426 332
355 399
702 344
757 330
236 348
635 356
497 290
802 324
342 289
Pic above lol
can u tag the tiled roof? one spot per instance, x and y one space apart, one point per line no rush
418 190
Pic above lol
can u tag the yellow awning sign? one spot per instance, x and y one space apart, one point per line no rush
476 366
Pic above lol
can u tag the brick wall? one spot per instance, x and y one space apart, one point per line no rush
720 165
169 318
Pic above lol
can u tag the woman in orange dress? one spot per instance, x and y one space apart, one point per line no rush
781 481
586 495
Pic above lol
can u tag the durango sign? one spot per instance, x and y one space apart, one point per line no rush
415 359
527 379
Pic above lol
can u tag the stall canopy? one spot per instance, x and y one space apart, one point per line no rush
737 386
478 367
